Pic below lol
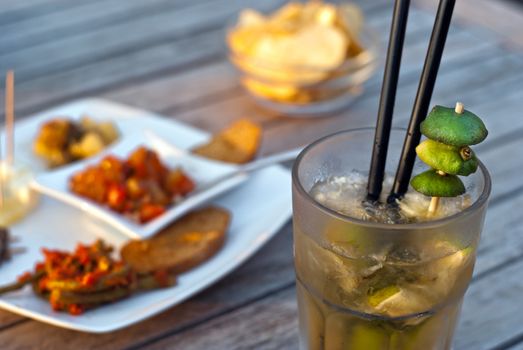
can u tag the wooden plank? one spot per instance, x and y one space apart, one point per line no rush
178 92
93 79
123 38
12 11
505 18
78 19
518 345
490 312
502 239
8 319
272 324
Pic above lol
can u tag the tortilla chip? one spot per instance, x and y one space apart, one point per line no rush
238 143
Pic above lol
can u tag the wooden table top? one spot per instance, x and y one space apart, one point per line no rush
167 56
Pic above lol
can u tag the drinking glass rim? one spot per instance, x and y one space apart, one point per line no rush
478 203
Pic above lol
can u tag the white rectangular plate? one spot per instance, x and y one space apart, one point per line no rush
259 207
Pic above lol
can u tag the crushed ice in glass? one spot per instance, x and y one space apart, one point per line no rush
346 195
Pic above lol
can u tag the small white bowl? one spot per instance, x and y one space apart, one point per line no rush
311 97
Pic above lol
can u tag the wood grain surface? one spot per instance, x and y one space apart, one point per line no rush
168 56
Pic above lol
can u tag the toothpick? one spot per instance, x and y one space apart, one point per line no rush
433 206
9 116
459 108
2 167
434 201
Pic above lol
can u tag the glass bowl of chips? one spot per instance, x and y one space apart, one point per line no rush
304 59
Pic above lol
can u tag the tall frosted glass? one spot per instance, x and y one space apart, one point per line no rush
364 285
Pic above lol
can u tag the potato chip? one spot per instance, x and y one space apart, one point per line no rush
326 15
318 46
290 12
310 11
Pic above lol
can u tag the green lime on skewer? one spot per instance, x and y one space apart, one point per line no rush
434 184
447 152
449 159
449 126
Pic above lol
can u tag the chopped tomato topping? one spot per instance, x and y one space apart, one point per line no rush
131 186
116 195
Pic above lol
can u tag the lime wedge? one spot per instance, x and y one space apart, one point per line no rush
432 184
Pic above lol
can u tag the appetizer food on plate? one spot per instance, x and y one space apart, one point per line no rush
90 276
61 141
200 233
86 278
140 187
238 143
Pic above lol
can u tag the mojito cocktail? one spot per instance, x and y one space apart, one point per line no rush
378 276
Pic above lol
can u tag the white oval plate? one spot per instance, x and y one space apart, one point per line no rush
259 207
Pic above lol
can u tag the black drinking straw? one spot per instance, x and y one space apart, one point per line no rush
423 96
387 98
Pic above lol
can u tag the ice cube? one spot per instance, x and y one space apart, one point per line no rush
414 206
325 264
446 271
396 301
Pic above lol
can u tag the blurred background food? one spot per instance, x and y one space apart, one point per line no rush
61 141
17 198
304 57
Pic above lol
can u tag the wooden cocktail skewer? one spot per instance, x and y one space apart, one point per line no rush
434 201
1 181
9 116
9 129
